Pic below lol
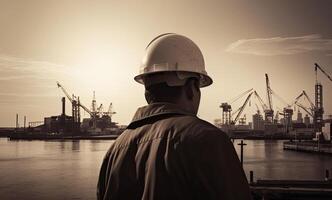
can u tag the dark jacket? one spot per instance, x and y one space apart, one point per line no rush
167 153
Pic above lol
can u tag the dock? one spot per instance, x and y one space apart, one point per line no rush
309 146
61 137
291 189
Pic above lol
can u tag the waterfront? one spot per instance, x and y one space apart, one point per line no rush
69 169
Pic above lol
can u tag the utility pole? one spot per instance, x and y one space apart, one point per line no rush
241 155
17 126
25 120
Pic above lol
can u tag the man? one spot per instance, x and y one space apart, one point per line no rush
167 152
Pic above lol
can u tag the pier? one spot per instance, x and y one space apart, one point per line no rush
291 189
24 136
309 146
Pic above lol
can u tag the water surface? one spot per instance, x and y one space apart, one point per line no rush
70 169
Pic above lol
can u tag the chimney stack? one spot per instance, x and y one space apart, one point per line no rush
63 106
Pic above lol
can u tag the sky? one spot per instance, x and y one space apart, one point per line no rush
98 45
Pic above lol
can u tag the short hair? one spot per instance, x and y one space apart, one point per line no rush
162 92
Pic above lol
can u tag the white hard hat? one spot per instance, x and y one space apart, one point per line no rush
172 53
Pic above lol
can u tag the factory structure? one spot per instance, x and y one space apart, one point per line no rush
300 119
294 120
99 121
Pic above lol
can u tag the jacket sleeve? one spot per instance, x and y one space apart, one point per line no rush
214 168
102 181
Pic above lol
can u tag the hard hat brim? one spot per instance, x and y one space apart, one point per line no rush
204 79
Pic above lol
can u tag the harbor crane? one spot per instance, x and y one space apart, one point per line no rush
315 110
94 103
264 106
239 111
226 107
100 110
310 110
319 109
74 99
323 71
110 111
76 104
269 112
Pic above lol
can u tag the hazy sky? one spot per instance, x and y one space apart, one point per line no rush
97 46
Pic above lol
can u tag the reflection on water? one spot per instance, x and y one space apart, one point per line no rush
268 160
69 169
50 169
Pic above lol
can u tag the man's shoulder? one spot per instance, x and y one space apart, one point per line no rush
199 124
198 128
177 128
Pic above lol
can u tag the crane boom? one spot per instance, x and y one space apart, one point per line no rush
269 92
242 108
304 93
260 100
86 109
304 108
64 91
297 98
321 69
110 110
239 96
308 98
71 99
100 108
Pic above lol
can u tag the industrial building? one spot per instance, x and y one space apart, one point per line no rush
275 121
99 123
59 124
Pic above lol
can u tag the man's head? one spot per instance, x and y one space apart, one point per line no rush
173 70
187 95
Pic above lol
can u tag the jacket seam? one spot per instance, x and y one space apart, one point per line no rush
141 142
160 113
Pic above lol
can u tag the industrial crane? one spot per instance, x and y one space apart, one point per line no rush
73 99
65 92
310 110
269 112
239 96
323 71
110 111
227 108
264 106
100 110
269 92
305 95
94 103
319 110
309 100
239 111
305 109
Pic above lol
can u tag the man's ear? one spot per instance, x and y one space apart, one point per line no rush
189 87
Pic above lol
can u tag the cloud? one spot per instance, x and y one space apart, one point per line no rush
9 78
14 68
9 94
25 78
281 45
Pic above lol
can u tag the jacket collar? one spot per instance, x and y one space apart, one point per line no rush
157 109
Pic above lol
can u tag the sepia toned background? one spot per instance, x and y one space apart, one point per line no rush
97 46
